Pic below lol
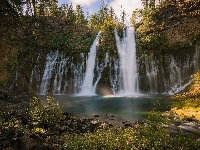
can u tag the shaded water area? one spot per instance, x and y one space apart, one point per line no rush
115 109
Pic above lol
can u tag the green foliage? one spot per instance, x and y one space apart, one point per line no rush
153 135
150 136
1 119
45 115
106 21
45 8
152 42
10 7
167 20
156 119
104 140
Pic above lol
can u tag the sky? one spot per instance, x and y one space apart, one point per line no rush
92 6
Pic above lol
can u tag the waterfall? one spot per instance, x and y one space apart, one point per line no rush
168 75
197 57
62 75
159 73
49 68
87 87
114 74
99 69
190 67
128 66
151 73
175 78
59 72
78 74
35 75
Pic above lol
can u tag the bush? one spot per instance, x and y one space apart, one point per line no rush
47 116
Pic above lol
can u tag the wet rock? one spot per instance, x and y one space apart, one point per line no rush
127 124
67 115
96 116
111 125
94 122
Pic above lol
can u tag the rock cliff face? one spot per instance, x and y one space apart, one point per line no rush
170 71
167 72
168 47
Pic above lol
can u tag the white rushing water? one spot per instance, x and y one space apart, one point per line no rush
128 66
151 73
87 87
49 68
59 71
114 75
35 74
66 75
197 57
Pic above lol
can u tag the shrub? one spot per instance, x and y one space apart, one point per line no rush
47 115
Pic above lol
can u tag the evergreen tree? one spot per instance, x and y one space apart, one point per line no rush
80 18
46 7
71 15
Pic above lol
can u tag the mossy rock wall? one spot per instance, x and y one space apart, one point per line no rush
160 72
157 72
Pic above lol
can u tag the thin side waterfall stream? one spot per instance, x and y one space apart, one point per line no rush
49 68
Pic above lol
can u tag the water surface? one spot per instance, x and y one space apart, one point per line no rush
120 108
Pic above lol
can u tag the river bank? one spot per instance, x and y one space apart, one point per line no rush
20 131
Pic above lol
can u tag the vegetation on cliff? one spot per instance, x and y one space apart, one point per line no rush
169 25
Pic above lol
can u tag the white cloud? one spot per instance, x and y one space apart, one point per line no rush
83 2
127 5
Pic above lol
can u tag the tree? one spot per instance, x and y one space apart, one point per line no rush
10 7
71 15
80 18
136 17
46 7
145 3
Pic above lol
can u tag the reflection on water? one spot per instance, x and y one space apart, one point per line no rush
131 108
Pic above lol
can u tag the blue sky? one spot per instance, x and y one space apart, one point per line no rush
93 6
